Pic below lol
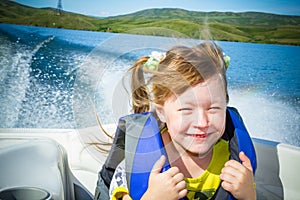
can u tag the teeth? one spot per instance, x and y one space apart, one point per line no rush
200 136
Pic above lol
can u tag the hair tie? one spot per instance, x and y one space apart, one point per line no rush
226 60
154 60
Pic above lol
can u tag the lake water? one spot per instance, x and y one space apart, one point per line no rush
57 78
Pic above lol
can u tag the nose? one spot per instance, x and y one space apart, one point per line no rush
201 120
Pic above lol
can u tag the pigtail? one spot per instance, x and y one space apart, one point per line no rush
140 93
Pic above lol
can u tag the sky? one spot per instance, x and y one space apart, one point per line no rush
104 8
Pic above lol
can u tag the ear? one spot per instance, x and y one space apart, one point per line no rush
160 113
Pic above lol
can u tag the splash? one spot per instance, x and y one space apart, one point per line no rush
15 77
266 117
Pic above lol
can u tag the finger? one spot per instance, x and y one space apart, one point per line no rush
245 161
227 171
182 193
181 185
233 164
232 171
173 171
228 174
158 165
178 177
227 186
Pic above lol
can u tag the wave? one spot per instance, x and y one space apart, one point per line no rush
15 74
267 117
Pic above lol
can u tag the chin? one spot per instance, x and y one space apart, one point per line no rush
200 152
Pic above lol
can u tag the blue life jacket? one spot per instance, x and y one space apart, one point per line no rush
142 149
144 146
244 141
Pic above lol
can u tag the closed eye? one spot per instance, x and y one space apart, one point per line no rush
214 109
185 109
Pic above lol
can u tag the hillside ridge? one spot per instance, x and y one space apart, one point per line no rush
256 27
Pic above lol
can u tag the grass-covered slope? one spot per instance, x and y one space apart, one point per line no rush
227 26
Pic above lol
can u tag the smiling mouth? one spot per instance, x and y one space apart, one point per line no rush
199 136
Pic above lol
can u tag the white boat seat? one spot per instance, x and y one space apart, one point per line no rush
31 166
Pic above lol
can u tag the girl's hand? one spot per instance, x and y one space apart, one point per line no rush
238 178
169 185
126 197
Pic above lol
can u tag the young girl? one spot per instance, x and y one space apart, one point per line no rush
186 88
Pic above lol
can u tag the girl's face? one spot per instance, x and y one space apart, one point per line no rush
196 118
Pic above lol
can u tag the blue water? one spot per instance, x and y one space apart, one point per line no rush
57 78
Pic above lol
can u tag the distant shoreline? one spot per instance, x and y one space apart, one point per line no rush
250 27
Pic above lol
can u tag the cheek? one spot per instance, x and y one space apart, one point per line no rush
218 121
178 124
174 121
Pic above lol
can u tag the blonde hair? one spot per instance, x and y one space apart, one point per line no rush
181 68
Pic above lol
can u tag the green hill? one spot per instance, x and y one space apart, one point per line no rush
249 18
226 26
14 13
